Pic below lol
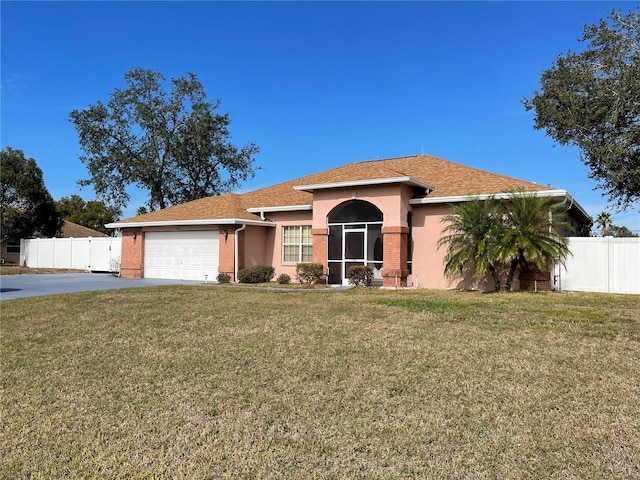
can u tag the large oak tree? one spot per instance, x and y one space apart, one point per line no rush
592 100
173 144
26 206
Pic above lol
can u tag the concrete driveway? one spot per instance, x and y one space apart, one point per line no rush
21 286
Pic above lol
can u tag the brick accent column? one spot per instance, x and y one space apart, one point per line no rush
395 269
132 263
319 249
226 254
320 245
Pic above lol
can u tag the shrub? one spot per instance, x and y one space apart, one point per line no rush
256 274
223 278
284 279
360 275
310 273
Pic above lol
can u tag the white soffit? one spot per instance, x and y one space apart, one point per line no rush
286 208
369 182
465 198
193 223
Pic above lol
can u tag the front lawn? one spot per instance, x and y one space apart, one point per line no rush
209 382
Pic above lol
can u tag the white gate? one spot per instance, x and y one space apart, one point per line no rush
600 264
92 254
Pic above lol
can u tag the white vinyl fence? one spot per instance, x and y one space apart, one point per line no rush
610 265
91 254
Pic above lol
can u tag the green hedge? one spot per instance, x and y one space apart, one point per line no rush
256 274
360 275
310 273
223 278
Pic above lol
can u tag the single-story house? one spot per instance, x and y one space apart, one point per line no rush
382 213
10 247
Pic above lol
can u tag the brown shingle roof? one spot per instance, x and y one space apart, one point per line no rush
209 208
73 230
452 180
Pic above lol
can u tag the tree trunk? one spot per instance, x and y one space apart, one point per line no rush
495 277
512 273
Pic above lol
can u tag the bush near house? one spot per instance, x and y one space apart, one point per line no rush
360 275
284 279
223 278
310 273
256 274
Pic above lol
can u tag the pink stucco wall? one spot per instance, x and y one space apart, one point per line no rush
392 200
428 260
263 245
258 245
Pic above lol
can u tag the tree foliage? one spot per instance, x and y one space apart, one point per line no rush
92 214
604 221
621 232
503 235
172 144
531 234
592 100
26 207
471 234
606 227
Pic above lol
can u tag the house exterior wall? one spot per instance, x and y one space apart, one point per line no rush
428 259
132 262
258 246
263 245
393 201
226 252
8 257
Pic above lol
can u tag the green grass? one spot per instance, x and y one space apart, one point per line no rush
210 382
13 269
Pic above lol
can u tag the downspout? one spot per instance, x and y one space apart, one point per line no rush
236 254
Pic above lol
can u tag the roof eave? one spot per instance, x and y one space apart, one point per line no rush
368 182
193 223
283 208
560 194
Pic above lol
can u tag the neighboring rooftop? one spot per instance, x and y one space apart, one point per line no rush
73 230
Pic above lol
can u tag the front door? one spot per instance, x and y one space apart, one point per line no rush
354 249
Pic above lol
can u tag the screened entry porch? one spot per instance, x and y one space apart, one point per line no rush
355 238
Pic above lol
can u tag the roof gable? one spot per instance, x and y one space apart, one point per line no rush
73 230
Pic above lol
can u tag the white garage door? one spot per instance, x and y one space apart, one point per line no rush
181 255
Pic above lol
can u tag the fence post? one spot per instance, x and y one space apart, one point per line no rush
610 262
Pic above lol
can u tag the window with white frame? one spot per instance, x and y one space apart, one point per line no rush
297 244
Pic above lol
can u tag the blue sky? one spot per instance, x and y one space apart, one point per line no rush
314 84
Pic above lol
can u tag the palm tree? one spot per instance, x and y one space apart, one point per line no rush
604 223
531 233
471 235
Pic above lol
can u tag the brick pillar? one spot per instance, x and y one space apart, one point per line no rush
395 269
319 253
132 256
320 245
226 255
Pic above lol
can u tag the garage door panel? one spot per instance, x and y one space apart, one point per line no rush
187 255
